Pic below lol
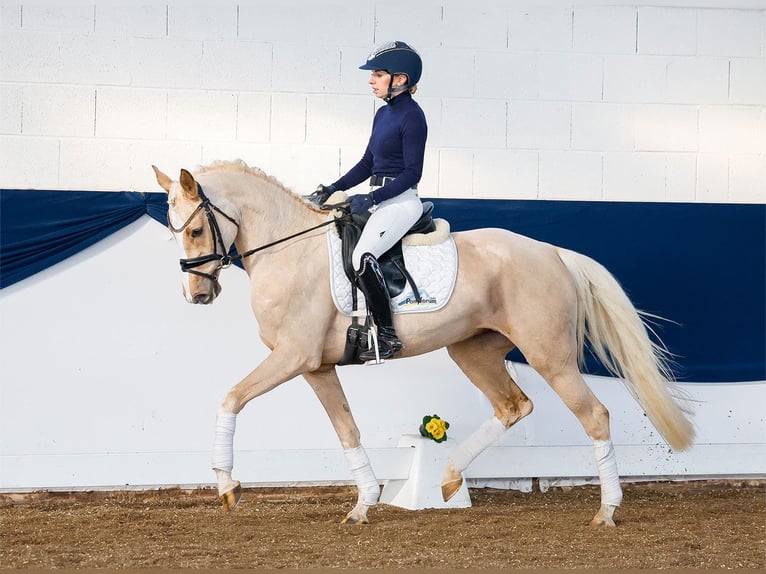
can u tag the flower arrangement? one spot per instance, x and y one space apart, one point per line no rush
434 427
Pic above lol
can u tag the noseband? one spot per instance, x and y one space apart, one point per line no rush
223 259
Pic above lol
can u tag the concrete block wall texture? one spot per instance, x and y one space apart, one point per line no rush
553 100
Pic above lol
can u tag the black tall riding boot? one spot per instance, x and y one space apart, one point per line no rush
371 282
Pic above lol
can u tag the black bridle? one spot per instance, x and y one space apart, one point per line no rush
223 259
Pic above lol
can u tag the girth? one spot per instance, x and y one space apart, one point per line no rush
391 262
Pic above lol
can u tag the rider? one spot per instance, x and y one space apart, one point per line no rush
393 162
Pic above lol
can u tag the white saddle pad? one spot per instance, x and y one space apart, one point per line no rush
433 268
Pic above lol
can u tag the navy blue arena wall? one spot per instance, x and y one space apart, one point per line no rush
701 266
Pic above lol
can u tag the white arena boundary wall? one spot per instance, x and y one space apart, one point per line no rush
108 379
111 380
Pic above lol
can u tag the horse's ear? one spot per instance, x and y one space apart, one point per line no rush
188 185
164 181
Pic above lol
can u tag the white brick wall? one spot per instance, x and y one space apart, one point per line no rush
557 99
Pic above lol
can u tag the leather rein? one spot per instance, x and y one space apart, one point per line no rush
223 259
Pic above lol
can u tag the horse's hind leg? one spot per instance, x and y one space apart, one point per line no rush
482 359
594 417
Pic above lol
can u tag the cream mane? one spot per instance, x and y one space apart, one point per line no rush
241 166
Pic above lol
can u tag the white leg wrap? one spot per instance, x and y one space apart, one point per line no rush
606 462
359 464
489 431
223 446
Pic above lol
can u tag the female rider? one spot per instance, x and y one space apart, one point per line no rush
393 163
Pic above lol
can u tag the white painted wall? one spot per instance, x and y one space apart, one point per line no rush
100 389
660 101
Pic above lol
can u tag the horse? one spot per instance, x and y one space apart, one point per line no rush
510 292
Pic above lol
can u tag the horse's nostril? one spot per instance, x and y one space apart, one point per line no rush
201 299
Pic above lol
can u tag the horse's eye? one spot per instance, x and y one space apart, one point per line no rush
196 232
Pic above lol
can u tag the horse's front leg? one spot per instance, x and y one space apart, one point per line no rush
327 387
277 368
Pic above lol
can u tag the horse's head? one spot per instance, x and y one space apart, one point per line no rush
203 232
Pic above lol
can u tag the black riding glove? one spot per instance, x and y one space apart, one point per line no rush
360 203
321 195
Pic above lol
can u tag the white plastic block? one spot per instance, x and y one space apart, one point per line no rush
131 113
635 176
730 33
10 108
473 123
680 176
635 78
28 162
456 173
223 69
253 117
160 62
575 77
661 127
570 175
352 79
504 75
202 20
698 80
475 25
59 110
747 178
335 120
100 60
712 178
132 20
748 81
29 56
670 31
605 30
602 126
288 118
505 174
416 22
429 181
422 489
94 165
298 69
202 115
60 17
539 125
313 161
543 29
730 129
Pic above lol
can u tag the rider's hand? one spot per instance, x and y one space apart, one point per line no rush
321 195
360 203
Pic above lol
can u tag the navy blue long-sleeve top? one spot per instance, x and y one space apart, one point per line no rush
396 149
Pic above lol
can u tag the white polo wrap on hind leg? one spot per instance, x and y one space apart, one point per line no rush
361 470
606 462
223 445
489 431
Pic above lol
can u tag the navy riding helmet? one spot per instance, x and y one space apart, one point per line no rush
396 58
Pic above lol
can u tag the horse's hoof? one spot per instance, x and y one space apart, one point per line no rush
602 523
354 519
230 498
450 488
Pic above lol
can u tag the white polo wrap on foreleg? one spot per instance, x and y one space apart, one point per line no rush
606 462
223 445
489 431
361 470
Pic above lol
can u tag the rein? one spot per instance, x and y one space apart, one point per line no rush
224 259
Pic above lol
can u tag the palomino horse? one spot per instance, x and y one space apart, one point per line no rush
511 291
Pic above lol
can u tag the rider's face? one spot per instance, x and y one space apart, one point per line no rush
380 80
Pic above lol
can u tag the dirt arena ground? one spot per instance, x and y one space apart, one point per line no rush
660 525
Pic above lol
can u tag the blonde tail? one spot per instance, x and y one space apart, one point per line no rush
619 338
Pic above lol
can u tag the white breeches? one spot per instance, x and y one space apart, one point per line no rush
388 223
